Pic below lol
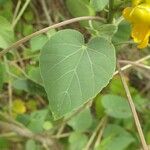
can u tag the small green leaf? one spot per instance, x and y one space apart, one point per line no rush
23 118
115 138
123 33
82 121
47 125
116 106
99 4
6 33
34 74
141 103
116 87
105 30
27 29
98 106
77 141
29 86
79 8
37 120
38 42
74 72
28 16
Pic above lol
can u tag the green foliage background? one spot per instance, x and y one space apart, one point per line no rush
58 90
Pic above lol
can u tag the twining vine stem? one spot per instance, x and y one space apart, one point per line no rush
27 38
133 109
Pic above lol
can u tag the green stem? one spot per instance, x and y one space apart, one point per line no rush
16 10
111 14
21 13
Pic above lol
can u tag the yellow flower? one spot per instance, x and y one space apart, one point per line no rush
139 16
18 106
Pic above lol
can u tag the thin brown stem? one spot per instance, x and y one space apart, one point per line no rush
100 134
9 87
130 65
62 135
20 60
21 13
10 96
87 147
24 132
10 120
16 10
45 9
61 129
135 64
86 105
27 38
133 109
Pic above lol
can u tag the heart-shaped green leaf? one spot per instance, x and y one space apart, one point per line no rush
74 72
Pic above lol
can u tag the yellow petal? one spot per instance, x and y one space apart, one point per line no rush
140 34
147 1
143 44
126 13
140 14
136 2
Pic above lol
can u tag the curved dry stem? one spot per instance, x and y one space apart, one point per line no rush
133 109
102 121
130 65
135 64
27 38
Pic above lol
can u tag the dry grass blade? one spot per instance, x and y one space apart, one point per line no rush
133 109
